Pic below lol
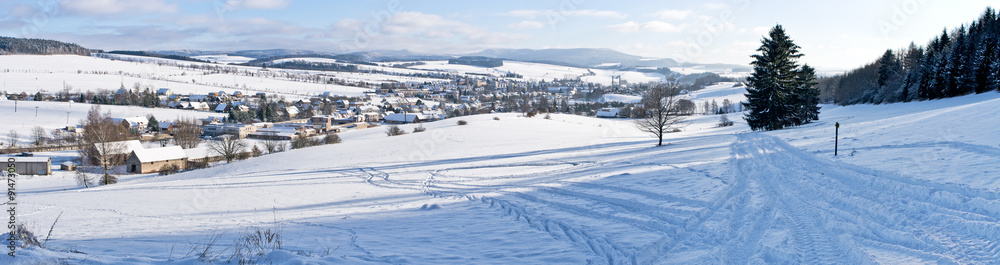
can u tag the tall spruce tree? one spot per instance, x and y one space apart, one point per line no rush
779 91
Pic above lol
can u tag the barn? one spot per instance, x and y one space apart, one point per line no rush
142 161
31 165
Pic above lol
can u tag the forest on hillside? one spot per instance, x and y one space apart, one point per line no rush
10 46
958 62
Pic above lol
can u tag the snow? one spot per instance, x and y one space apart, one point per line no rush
619 98
224 59
160 154
548 72
55 115
922 186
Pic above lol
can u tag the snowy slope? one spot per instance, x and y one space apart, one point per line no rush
574 190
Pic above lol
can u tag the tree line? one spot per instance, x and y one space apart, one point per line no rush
10 46
963 61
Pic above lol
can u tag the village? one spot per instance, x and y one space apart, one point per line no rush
268 124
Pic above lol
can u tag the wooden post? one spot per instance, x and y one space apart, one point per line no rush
836 138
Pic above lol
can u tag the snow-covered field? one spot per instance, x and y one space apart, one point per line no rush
914 183
54 115
548 72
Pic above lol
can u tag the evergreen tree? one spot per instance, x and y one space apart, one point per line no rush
153 124
888 77
777 91
806 96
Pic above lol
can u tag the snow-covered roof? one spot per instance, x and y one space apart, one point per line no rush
199 153
30 159
159 154
408 117
125 147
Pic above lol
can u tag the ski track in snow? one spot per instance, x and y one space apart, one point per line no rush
833 213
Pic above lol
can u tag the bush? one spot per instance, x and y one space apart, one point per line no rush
256 242
462 122
394 131
196 165
532 113
496 118
419 129
332 138
724 121
171 169
548 117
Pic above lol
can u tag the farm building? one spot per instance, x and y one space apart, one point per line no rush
609 113
32 165
142 161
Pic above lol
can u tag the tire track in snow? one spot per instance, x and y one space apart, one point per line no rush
835 210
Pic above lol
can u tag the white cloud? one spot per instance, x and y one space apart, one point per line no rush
573 13
673 14
761 30
420 32
651 26
108 7
527 24
715 5
257 4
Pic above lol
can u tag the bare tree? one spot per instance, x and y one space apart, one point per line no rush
663 110
12 137
271 144
187 133
229 147
38 136
84 179
103 142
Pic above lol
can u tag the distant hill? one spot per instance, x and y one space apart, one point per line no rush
583 57
9 46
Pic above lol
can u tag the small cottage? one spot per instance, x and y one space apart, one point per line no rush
142 161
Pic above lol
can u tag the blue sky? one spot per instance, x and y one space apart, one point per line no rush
833 34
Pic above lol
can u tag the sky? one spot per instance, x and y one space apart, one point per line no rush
833 34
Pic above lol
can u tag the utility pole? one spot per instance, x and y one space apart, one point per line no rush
36 111
836 138
67 118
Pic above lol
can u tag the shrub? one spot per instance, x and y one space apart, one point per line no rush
724 121
332 138
394 131
419 129
171 169
496 118
548 117
196 165
255 243
532 113
462 122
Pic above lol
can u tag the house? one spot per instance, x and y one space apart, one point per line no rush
136 124
403 118
31 165
198 98
197 106
222 108
164 92
275 133
152 160
608 113
166 126
202 154
235 129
